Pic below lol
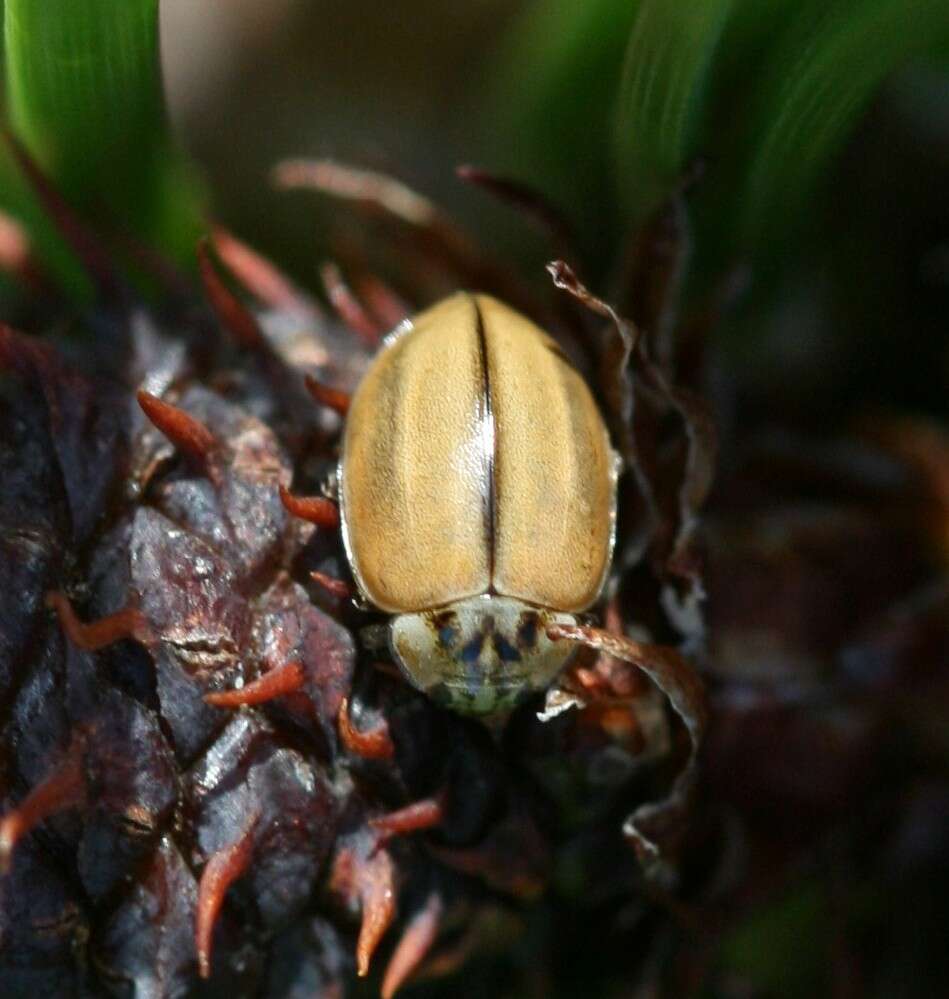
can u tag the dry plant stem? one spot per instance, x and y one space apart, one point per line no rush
277 682
223 868
261 277
349 308
375 744
547 217
316 509
94 257
230 310
416 941
189 435
693 411
326 396
440 239
676 678
126 623
64 788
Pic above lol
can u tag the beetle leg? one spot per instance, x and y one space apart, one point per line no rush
677 679
285 679
64 788
126 623
375 744
429 813
332 398
416 941
223 868
188 434
349 309
316 509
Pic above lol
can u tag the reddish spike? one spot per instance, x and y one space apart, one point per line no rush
189 435
316 509
374 745
126 623
334 399
64 788
223 868
230 310
348 307
528 200
16 256
285 679
416 941
335 587
377 896
92 255
385 304
429 813
260 276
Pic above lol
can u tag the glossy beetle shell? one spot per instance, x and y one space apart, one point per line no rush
475 462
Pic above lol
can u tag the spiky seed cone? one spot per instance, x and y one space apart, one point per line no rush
206 776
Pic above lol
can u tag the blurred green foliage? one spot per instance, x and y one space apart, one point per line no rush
609 102
84 92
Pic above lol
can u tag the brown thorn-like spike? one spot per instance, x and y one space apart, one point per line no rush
373 745
676 678
92 255
348 307
126 623
188 434
285 679
223 868
64 788
338 588
230 310
377 898
416 941
316 509
528 200
334 399
260 276
429 813
385 304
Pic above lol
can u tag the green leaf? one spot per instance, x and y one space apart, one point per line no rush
550 111
84 93
662 95
820 78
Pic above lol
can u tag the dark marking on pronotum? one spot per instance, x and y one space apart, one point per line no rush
527 630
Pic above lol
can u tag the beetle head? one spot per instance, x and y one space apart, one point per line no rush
481 655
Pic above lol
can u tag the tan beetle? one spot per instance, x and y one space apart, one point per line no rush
478 500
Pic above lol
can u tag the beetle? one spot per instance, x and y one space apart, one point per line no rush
477 492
